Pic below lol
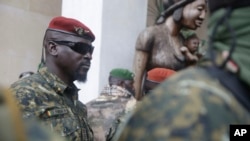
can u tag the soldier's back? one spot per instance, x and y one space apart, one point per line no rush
106 112
191 105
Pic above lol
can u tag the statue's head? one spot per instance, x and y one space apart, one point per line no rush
172 7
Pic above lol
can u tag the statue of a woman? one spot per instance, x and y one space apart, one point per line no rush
161 45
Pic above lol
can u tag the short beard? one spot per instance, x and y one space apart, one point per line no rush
80 77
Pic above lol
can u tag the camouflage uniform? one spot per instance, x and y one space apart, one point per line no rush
184 108
13 128
106 112
45 96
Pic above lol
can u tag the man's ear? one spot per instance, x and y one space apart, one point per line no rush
122 83
52 48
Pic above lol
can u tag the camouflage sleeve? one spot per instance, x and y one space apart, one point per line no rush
97 119
119 127
121 120
185 108
37 132
27 100
106 113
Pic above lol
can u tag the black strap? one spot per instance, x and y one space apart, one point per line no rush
229 80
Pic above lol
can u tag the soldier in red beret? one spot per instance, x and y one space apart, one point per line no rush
155 77
50 94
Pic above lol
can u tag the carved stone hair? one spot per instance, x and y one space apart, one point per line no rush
174 7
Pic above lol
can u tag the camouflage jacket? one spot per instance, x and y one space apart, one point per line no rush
106 112
45 96
14 128
190 106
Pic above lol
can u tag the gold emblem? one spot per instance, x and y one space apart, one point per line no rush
80 31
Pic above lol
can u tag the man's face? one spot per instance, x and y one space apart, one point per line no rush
75 62
193 14
129 86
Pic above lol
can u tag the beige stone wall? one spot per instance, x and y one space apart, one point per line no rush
23 23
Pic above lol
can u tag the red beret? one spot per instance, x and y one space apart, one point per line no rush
159 74
71 26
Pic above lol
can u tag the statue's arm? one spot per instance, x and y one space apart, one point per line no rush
141 57
140 61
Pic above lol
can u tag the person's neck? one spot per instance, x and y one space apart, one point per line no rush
173 27
55 70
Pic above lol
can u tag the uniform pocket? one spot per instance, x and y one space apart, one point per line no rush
62 121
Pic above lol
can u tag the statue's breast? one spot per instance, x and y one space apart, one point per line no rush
164 55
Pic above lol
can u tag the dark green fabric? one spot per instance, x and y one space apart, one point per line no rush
240 22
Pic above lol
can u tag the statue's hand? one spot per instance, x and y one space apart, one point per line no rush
190 58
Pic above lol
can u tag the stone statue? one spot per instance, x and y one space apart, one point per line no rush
161 45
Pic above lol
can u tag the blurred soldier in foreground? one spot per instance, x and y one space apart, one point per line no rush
50 94
116 99
14 128
199 103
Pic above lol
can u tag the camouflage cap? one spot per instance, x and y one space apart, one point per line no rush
71 26
122 73
159 74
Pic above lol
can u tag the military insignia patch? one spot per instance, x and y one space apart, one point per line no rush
80 31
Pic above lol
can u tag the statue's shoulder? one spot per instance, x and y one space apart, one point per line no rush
151 29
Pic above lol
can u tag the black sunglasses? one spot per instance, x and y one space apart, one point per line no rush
78 47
